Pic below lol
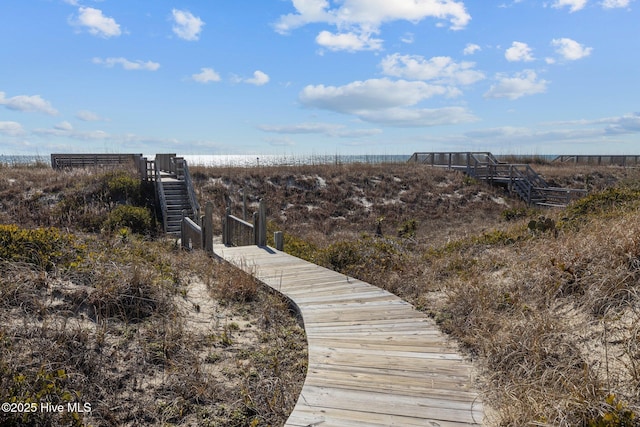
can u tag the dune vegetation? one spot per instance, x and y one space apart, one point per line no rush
98 307
545 302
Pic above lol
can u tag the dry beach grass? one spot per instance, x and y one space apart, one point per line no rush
92 312
548 314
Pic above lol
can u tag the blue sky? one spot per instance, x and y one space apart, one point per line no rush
320 76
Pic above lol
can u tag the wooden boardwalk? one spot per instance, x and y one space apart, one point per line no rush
373 359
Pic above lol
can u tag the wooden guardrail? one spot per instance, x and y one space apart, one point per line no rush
62 161
183 168
161 196
238 232
630 160
198 236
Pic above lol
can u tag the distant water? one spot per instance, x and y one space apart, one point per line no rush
290 160
247 160
23 160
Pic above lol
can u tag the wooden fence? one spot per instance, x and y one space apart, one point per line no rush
599 160
198 236
238 232
62 161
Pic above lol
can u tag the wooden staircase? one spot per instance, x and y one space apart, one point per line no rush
174 191
519 179
176 197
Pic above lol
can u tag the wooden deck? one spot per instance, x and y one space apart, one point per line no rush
373 359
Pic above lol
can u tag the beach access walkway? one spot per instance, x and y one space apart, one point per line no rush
374 360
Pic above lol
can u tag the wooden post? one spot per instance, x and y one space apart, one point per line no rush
262 221
207 225
183 235
278 238
256 226
244 203
225 228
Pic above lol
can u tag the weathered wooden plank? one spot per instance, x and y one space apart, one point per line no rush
444 381
373 359
393 404
321 417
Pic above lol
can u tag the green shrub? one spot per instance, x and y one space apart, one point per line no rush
121 187
33 389
604 201
408 229
136 218
514 214
616 414
43 247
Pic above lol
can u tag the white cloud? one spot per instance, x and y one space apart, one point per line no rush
613 4
408 38
88 116
574 5
471 48
66 126
186 25
96 23
357 20
259 78
280 142
570 49
61 131
350 42
419 117
126 64
440 69
517 86
519 52
629 123
29 104
308 11
206 75
11 129
328 129
373 94
385 101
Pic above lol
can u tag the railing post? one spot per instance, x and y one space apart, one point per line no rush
511 178
256 226
262 220
278 239
225 228
244 203
207 224
183 235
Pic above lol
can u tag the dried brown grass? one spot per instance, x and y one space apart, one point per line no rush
550 318
115 327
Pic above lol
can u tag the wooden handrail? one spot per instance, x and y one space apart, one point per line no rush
190 233
190 189
161 196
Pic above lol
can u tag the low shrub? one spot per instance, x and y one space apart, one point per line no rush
136 218
122 187
602 203
43 247
30 390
